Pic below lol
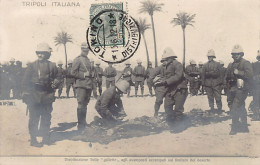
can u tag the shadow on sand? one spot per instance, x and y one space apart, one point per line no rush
103 131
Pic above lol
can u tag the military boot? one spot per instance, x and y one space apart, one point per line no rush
142 92
34 142
156 109
135 93
233 130
244 125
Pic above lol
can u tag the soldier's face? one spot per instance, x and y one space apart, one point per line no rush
43 56
84 51
236 57
210 58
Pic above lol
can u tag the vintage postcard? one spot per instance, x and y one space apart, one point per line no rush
130 82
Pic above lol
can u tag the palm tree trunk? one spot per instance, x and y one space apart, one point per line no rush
147 54
183 61
65 50
154 40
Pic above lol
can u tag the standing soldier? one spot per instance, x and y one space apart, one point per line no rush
200 82
222 76
99 73
256 88
81 70
18 80
127 75
175 82
139 73
70 80
212 82
238 75
149 80
5 82
110 74
192 74
39 86
12 77
109 105
61 75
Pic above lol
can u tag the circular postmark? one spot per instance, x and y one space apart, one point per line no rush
113 36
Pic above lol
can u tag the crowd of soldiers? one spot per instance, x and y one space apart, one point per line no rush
37 84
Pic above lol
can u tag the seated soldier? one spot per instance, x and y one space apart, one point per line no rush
109 105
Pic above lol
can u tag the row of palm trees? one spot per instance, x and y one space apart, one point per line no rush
183 19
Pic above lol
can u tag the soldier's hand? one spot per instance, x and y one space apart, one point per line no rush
235 71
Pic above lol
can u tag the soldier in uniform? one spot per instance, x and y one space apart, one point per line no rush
94 78
60 76
5 82
192 74
175 82
127 75
139 73
110 74
109 105
256 88
201 88
222 76
238 75
39 86
81 70
70 80
159 88
212 81
148 74
18 80
99 73
12 76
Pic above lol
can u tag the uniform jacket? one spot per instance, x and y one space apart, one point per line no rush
192 72
245 72
139 73
81 65
223 73
127 73
173 74
69 77
110 73
61 73
148 74
99 73
211 74
109 98
37 81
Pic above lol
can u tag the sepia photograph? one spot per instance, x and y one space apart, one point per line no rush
125 82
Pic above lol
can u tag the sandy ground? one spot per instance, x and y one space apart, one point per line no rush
203 140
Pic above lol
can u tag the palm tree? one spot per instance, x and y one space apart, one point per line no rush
184 19
150 7
63 38
143 27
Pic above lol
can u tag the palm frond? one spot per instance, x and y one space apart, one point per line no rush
150 7
184 19
62 38
143 26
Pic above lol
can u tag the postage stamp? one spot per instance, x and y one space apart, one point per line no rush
113 35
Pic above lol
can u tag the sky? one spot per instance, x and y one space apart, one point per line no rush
219 25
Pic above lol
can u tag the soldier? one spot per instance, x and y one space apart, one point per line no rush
192 74
109 105
238 75
175 82
18 80
256 88
159 88
70 80
200 82
5 82
127 75
110 74
39 86
148 74
61 75
139 73
222 76
211 80
81 70
99 73
12 76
